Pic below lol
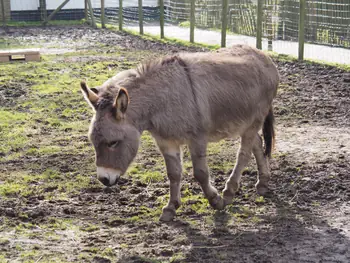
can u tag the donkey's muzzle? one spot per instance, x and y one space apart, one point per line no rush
107 176
105 181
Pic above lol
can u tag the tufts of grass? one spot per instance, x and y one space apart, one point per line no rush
149 177
14 189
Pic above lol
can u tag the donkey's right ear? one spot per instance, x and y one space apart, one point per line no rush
90 95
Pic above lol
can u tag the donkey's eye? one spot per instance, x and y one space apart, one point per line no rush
113 144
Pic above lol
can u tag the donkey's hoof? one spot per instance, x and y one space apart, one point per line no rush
167 215
262 190
217 202
228 195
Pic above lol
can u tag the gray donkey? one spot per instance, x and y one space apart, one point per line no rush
188 99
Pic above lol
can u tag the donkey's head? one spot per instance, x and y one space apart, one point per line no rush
114 138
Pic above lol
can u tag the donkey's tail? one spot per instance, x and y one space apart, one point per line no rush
269 133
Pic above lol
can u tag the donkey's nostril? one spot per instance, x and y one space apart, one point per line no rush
104 180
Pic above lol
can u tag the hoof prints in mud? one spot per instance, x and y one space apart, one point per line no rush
315 93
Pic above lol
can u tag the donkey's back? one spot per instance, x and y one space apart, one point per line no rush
234 89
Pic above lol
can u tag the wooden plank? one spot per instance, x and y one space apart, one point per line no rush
19 54
224 22
302 12
161 9
32 57
140 17
55 12
103 14
259 25
4 58
192 21
120 17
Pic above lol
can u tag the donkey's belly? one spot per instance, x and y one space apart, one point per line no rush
230 130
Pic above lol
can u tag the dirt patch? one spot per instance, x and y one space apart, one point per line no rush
57 210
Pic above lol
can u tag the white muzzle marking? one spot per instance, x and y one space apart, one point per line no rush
108 175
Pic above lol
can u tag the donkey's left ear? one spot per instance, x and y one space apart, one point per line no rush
121 103
90 95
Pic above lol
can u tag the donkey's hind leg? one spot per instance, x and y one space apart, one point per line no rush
262 163
243 157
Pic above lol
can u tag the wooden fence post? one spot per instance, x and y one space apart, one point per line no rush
161 9
259 25
192 21
302 13
140 17
86 10
224 22
120 18
269 24
93 23
3 13
103 24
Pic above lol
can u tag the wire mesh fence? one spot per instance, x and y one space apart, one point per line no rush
327 22
130 11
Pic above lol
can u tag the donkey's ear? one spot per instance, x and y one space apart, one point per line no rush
121 103
90 95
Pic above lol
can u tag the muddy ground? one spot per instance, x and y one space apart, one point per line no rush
52 208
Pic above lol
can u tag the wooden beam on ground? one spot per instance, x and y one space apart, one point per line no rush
19 55
55 12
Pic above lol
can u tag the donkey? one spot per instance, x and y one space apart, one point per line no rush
192 99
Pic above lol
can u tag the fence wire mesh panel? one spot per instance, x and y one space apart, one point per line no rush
328 22
150 9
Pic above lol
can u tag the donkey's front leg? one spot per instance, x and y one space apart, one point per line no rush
201 174
172 156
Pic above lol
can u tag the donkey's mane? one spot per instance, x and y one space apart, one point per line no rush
151 65
144 70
